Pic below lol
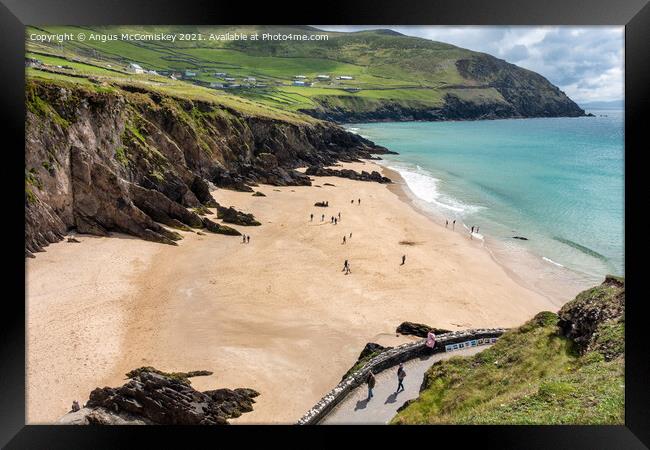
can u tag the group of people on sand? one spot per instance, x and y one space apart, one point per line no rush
352 201
245 239
453 224
401 373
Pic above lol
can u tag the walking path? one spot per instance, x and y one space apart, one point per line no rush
356 409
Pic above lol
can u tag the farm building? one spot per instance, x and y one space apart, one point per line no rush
135 68
298 83
322 77
300 77
345 77
189 73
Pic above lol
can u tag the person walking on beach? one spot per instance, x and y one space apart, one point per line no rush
335 221
352 201
350 235
472 229
359 201
401 374
332 219
248 239
477 229
403 260
339 216
343 239
453 225
446 223
322 218
243 238
311 217
371 384
327 203
345 265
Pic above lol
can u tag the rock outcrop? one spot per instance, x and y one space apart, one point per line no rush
418 329
128 160
155 397
595 315
320 171
231 215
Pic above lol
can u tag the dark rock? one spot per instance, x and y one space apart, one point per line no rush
581 318
169 399
321 204
371 348
220 229
328 184
320 171
161 208
259 194
73 240
231 215
520 238
418 329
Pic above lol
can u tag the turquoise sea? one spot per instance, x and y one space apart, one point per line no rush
559 182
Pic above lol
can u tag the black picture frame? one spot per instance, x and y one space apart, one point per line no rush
15 14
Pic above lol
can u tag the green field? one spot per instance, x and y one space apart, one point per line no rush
385 67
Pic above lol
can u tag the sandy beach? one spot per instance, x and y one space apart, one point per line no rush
277 315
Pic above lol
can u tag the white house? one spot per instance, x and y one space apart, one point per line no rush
229 79
345 77
298 83
322 77
189 73
136 68
300 77
216 85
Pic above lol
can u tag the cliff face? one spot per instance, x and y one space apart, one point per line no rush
100 160
491 89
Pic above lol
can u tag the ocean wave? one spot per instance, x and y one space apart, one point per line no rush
425 187
551 261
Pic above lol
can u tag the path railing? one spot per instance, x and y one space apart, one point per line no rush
389 358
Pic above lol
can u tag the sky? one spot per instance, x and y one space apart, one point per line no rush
587 63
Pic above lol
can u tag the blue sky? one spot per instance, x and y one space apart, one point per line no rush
587 63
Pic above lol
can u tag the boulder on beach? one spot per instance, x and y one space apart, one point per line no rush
153 397
418 329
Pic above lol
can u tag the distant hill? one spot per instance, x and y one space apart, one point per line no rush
385 75
614 104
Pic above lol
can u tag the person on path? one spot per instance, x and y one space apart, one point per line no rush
431 339
311 217
403 260
401 374
371 384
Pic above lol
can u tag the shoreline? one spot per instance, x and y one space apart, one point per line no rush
558 284
274 313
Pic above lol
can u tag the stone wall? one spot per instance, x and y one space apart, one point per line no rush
386 360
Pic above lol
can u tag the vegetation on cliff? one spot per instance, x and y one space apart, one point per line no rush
359 76
555 369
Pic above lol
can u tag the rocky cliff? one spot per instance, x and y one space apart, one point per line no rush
107 158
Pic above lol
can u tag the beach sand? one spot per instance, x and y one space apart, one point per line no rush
277 315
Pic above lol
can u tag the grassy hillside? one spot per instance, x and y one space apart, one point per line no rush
535 374
392 75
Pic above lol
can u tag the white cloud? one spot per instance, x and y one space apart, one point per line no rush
585 62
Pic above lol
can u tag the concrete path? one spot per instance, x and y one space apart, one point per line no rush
356 409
